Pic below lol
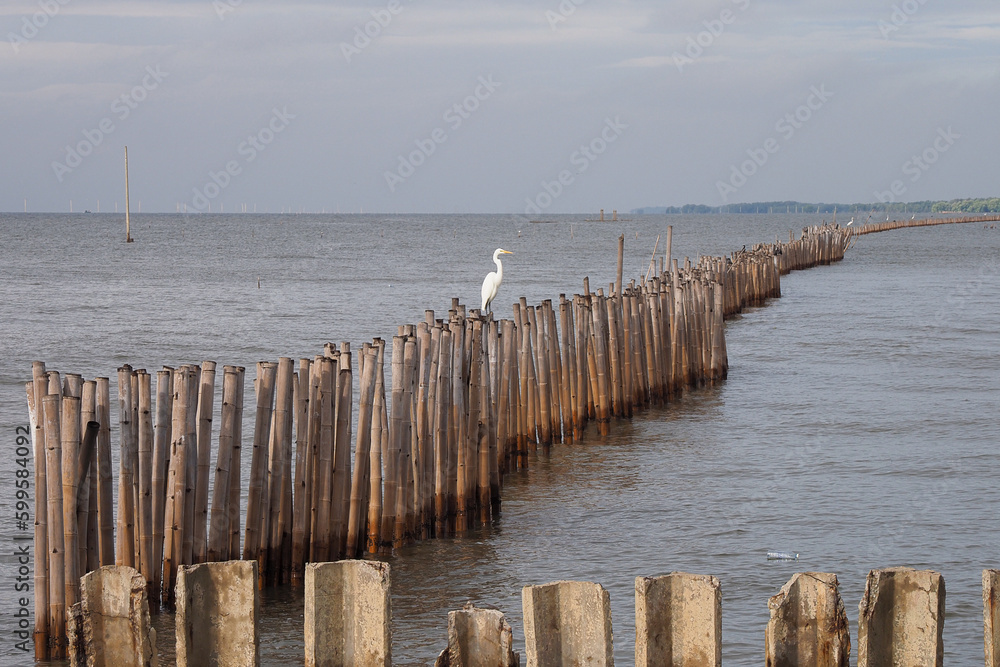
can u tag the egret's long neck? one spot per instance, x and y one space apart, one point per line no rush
496 260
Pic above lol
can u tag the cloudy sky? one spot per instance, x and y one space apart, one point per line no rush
495 107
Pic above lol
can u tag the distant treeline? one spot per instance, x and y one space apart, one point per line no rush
991 205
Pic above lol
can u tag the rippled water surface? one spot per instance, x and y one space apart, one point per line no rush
858 426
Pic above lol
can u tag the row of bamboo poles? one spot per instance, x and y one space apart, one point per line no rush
468 399
888 225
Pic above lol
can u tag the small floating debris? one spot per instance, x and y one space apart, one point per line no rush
782 555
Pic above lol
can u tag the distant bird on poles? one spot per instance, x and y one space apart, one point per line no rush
851 222
493 279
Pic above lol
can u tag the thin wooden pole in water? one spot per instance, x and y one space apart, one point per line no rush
126 476
301 500
105 482
377 452
235 468
128 225
218 530
144 512
206 402
161 453
36 390
56 536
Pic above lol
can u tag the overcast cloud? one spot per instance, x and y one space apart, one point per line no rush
473 106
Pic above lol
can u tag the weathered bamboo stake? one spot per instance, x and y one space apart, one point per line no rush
235 468
56 535
392 457
161 452
404 472
555 370
423 432
505 412
522 373
85 460
144 444
301 520
218 529
264 387
582 385
600 365
568 372
206 403
614 357
624 324
430 454
362 454
126 476
486 453
540 363
105 482
342 458
457 420
173 517
378 452
319 544
442 443
279 473
492 406
36 391
191 465
312 473
532 395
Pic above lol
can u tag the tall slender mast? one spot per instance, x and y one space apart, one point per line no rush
128 230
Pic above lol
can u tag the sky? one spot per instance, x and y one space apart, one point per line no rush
470 106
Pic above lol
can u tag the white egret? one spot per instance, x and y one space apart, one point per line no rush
851 222
493 279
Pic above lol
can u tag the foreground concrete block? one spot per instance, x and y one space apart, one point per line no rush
678 621
991 616
110 624
808 624
567 623
478 638
901 619
217 612
348 614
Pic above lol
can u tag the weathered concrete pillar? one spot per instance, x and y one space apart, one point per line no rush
478 638
991 616
110 624
217 611
348 614
678 620
567 623
901 619
808 624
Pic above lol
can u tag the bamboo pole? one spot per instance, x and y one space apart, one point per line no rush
191 465
323 475
379 418
126 471
105 482
279 474
402 419
218 533
341 490
235 467
36 391
362 454
442 442
173 518
147 565
264 387
206 401
56 535
302 503
87 482
161 453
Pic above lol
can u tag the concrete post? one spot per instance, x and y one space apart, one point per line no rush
678 621
348 614
991 616
217 611
808 624
567 623
901 619
110 625
478 638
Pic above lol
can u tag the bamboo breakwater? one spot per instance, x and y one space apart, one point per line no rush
889 225
469 398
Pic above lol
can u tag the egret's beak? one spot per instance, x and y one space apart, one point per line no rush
507 252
